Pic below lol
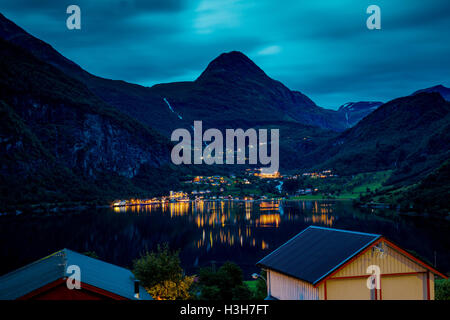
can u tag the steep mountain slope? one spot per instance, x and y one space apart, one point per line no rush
232 89
57 138
409 134
131 99
444 91
431 194
355 111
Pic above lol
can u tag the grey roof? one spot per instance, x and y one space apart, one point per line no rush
316 252
94 272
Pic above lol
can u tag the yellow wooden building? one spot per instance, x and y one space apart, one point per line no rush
332 264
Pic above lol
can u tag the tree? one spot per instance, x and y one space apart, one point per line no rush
241 292
261 287
442 288
171 290
223 284
161 274
290 186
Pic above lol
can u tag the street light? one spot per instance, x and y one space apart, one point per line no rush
256 276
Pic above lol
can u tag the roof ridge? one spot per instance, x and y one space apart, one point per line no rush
99 260
348 231
31 263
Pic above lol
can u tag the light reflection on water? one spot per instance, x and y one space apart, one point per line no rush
207 232
213 217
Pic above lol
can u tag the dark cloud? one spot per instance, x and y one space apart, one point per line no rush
105 6
321 48
156 5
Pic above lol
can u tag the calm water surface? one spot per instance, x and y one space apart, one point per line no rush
208 232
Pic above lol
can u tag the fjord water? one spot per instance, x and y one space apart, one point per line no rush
208 233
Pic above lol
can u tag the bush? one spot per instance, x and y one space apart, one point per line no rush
223 284
261 287
161 274
442 289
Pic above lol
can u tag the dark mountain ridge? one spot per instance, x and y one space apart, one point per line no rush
443 91
410 135
234 90
70 135
132 99
251 96
60 139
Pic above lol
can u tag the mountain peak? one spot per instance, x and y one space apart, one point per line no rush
442 90
236 55
439 86
231 64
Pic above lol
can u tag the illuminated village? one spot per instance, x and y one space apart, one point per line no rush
208 205
212 188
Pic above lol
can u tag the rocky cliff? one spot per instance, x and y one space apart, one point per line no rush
53 125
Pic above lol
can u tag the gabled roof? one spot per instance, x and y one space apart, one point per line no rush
315 252
94 272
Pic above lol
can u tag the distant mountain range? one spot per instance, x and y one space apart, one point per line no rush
410 135
69 135
232 89
355 111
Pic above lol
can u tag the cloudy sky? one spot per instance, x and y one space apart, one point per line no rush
321 48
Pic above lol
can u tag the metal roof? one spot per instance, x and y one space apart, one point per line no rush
94 272
316 252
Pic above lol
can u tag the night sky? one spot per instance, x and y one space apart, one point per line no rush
321 48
